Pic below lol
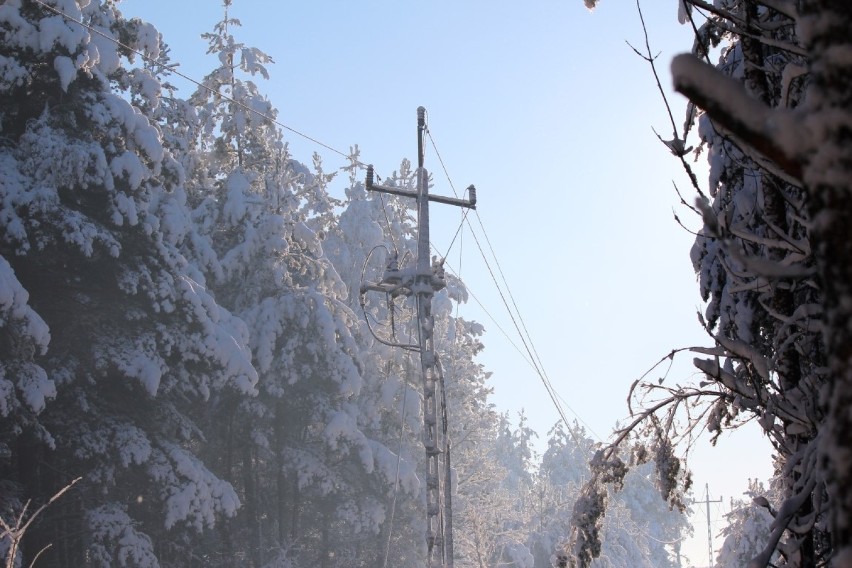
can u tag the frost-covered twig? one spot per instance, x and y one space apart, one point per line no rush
650 59
15 532
677 144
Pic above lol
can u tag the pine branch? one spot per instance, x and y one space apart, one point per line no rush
726 102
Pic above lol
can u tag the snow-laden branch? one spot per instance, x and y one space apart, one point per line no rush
773 133
785 515
767 41
786 7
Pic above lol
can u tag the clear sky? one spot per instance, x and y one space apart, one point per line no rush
544 108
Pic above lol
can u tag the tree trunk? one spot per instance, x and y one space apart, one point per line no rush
826 28
788 361
252 512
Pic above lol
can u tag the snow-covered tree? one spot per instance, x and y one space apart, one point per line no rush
304 452
773 253
514 447
494 489
749 524
368 230
135 342
639 529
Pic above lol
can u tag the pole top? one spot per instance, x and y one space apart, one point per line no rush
421 115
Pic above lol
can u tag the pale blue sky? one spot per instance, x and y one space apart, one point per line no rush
548 112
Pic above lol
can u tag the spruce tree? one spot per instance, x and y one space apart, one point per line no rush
136 341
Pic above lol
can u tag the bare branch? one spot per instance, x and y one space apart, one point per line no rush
40 552
650 59
16 533
683 201
56 496
684 227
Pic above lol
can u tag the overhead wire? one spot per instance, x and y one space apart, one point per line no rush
173 69
526 331
523 333
524 340
453 187
534 356
447 254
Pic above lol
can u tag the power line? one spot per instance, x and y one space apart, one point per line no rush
490 316
534 359
453 187
526 339
173 69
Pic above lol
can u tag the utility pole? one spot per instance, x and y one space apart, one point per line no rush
707 502
422 282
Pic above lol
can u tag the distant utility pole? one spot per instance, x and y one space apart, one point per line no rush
423 281
707 502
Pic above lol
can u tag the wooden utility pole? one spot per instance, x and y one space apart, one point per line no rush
422 281
707 502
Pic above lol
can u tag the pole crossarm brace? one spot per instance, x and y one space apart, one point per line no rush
422 281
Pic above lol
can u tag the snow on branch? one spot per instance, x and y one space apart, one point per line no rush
774 133
786 7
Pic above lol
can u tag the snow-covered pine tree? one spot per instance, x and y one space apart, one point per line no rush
368 229
300 454
25 387
749 524
135 339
